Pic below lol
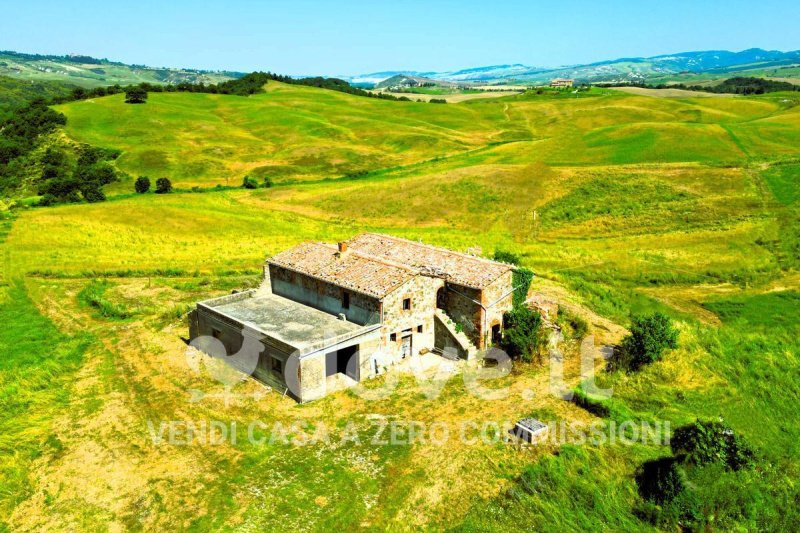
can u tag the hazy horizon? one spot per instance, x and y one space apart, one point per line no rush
351 38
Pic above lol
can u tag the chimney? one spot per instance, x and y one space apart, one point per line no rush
342 247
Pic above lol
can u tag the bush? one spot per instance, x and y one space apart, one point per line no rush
267 183
504 256
709 442
523 333
94 194
47 200
650 336
163 186
660 480
249 183
135 95
142 184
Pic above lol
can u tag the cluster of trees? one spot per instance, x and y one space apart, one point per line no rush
250 182
62 182
739 85
142 185
18 138
19 132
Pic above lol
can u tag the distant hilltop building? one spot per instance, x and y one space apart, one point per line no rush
562 82
329 316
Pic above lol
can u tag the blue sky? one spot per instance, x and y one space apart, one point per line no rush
353 37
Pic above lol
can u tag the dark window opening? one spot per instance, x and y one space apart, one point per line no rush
216 333
406 304
393 337
497 335
276 365
419 328
345 300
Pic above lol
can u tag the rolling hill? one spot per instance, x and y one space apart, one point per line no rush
622 204
85 71
682 66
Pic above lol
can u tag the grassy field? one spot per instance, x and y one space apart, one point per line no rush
621 204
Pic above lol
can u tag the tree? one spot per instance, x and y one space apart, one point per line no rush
706 442
94 194
142 184
249 183
650 336
522 336
163 186
135 95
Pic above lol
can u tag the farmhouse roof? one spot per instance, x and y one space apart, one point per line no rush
463 269
376 264
352 270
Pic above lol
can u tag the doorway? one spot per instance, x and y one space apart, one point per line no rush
405 346
344 361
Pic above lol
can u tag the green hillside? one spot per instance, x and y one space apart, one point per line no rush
621 204
298 133
87 71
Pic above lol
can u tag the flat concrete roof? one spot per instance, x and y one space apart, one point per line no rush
288 321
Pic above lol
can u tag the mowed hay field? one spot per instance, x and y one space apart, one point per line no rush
622 204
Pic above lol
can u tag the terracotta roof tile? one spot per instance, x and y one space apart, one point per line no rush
350 269
459 268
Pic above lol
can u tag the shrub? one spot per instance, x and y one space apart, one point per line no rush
249 183
504 256
706 442
94 194
650 336
267 183
142 184
163 186
47 200
660 480
135 95
437 101
523 333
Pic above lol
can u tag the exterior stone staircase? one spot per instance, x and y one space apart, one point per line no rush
449 340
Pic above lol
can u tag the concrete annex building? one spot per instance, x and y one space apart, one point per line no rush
328 316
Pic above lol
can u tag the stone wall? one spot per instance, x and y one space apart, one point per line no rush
232 334
459 305
363 309
498 300
421 290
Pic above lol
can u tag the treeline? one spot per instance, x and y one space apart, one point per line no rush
739 85
247 85
336 84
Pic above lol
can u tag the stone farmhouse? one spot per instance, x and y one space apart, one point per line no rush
328 316
562 82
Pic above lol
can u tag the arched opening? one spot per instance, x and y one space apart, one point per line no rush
440 298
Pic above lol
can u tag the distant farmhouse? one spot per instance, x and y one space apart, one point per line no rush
562 82
328 316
